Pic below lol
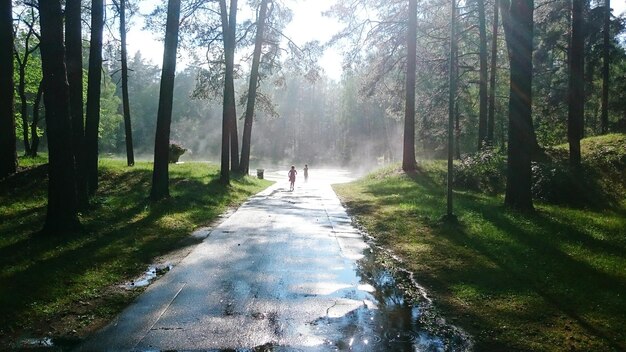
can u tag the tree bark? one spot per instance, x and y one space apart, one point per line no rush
229 110
160 174
452 72
491 117
230 85
576 84
130 155
604 124
482 88
22 63
61 214
34 137
8 150
92 122
252 87
517 17
74 60
408 150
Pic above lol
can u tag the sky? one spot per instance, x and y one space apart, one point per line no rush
308 24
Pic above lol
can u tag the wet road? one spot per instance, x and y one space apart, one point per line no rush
287 271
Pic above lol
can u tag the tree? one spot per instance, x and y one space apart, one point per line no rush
160 173
408 154
605 67
92 123
252 89
229 50
34 133
61 214
451 105
74 61
128 131
31 45
8 151
229 120
576 84
482 94
491 121
517 17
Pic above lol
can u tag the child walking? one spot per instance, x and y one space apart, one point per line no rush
292 177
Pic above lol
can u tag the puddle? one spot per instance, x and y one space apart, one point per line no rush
150 275
32 343
402 317
44 344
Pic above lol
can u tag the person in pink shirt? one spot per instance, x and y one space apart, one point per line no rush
292 177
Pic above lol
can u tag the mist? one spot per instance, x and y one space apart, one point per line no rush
322 123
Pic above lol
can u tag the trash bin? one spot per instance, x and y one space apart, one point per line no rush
259 173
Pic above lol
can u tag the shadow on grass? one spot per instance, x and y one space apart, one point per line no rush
504 253
42 276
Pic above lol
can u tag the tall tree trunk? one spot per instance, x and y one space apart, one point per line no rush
74 60
8 151
61 214
229 110
93 95
34 137
408 150
22 63
457 123
130 155
21 91
604 125
452 72
160 174
252 87
517 17
482 88
576 84
234 137
491 118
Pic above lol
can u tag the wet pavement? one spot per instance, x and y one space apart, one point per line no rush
286 272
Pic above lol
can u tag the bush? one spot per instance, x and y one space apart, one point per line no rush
557 183
553 182
176 150
484 171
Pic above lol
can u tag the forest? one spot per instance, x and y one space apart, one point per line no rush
523 101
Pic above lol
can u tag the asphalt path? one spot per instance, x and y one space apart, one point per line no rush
281 273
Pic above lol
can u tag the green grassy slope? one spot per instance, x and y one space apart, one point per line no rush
550 281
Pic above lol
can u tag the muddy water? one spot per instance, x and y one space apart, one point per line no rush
397 316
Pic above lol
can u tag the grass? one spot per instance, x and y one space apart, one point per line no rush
550 281
67 285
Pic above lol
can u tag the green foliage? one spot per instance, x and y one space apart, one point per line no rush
29 161
32 78
549 281
65 283
484 170
111 130
600 182
555 182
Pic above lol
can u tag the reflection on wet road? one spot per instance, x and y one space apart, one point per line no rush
286 272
